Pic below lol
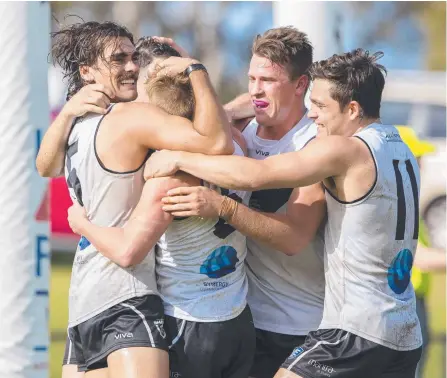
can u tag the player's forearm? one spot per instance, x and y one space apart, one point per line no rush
231 172
274 230
430 259
210 119
241 107
122 246
50 159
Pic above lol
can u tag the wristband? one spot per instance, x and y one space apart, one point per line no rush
195 67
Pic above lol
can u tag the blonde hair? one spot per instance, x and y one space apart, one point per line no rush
173 94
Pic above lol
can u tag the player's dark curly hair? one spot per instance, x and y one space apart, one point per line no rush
148 49
356 76
82 44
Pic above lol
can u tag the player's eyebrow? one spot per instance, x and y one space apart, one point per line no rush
318 103
119 55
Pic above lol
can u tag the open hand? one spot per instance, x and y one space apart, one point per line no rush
94 98
173 66
193 201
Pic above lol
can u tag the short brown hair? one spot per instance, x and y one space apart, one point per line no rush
287 47
173 94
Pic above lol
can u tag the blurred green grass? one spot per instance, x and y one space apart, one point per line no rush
60 281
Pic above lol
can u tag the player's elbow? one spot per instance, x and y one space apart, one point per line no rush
46 170
295 245
42 169
130 258
128 261
223 146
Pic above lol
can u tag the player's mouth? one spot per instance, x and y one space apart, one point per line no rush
128 83
259 104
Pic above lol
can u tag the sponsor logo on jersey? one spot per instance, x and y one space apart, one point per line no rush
262 153
220 262
296 352
159 323
321 368
83 243
393 137
126 335
399 273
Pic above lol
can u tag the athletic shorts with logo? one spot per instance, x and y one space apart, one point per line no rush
272 349
335 353
136 322
213 349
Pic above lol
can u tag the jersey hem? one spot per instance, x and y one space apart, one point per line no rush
171 311
369 337
107 305
275 328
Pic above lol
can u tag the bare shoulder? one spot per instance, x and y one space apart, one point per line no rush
135 110
337 144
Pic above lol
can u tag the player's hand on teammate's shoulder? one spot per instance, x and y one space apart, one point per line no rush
174 66
173 44
76 217
193 201
94 98
161 164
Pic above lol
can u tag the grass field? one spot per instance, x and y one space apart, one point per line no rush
60 278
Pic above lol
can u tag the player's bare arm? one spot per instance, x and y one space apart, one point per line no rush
289 233
322 158
210 130
240 111
129 245
94 98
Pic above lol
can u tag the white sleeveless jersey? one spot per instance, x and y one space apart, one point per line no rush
286 293
200 267
109 199
370 246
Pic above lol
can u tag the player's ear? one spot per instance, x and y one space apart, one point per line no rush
301 85
86 74
354 110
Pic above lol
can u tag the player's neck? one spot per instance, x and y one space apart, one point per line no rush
365 122
276 132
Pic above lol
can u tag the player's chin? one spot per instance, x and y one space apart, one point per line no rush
126 96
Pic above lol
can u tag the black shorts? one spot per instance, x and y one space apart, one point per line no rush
136 322
336 353
272 349
216 349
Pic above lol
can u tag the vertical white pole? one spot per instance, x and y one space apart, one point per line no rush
24 229
320 20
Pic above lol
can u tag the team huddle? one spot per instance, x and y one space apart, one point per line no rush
257 239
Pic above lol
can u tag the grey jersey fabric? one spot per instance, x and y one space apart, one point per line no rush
370 244
200 267
109 199
286 293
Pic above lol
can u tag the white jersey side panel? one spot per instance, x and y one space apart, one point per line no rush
286 293
370 246
109 199
200 268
